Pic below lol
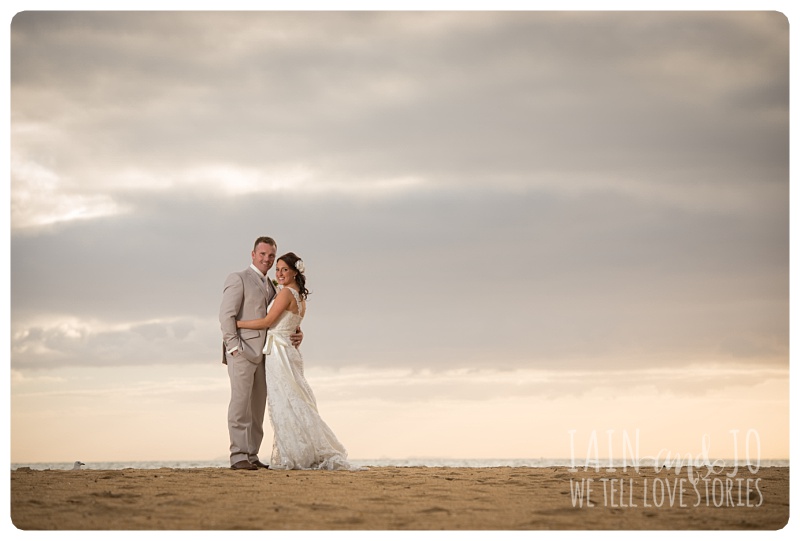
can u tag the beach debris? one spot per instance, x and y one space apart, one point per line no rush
77 465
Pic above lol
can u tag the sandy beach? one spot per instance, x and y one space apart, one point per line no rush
391 498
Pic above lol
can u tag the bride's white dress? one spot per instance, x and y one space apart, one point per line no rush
302 439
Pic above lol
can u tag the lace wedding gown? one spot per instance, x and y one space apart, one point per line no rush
302 439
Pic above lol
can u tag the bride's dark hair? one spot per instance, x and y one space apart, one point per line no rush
291 259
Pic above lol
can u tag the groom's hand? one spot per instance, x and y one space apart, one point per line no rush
297 337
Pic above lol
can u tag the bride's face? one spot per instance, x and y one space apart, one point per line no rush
283 273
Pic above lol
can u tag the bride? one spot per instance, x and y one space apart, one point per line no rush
302 439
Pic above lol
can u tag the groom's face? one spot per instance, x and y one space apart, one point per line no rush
264 257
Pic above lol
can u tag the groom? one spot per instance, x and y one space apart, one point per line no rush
246 295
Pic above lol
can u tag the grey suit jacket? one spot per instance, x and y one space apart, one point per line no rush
244 296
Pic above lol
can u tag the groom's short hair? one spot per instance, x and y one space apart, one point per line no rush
267 240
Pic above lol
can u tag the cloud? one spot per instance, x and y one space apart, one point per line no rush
37 199
563 101
489 384
392 385
521 189
73 342
443 280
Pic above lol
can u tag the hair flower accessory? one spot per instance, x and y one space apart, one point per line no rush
301 267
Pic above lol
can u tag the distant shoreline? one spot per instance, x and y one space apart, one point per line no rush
399 463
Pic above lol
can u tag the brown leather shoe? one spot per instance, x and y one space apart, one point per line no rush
244 465
260 464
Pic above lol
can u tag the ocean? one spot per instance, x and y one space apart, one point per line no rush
400 463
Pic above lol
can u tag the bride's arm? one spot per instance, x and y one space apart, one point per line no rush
281 303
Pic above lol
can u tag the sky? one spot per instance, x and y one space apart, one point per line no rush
521 229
